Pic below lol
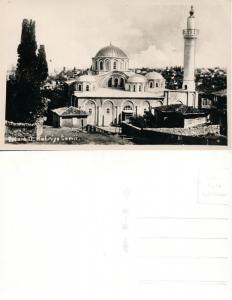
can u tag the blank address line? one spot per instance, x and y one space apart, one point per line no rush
184 218
201 282
184 237
182 257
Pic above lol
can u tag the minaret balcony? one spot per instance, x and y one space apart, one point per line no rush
190 33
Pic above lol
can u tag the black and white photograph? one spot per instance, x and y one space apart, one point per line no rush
83 83
116 72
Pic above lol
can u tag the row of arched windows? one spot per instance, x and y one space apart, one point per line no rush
107 65
80 88
116 82
116 65
151 85
134 88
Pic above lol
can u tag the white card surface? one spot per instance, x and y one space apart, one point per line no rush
116 225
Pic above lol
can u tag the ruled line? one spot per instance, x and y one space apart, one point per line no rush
212 203
184 238
184 257
184 218
200 282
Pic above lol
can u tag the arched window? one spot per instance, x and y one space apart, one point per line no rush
151 84
121 83
87 87
79 87
115 65
157 85
129 87
110 82
127 107
107 110
116 82
140 88
107 65
134 88
101 65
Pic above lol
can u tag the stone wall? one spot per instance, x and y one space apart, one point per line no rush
194 122
191 131
23 132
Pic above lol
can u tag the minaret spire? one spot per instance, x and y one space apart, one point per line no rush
191 12
190 36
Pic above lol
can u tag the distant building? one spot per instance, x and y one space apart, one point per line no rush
216 100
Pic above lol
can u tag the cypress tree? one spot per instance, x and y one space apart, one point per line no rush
42 66
27 58
28 102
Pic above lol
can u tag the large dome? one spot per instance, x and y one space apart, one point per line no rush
111 51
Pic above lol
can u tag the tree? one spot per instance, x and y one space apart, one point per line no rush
42 66
27 58
173 77
10 98
26 98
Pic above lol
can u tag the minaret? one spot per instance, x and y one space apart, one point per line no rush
190 35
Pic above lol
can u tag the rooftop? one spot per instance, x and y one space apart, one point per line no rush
87 78
136 78
116 93
154 75
69 111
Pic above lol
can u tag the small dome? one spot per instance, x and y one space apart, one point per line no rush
154 76
136 79
111 51
86 78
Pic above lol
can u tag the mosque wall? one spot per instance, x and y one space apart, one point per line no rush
181 97
105 112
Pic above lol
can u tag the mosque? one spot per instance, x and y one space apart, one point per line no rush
112 93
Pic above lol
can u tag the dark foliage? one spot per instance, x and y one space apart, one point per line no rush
211 81
42 66
56 98
27 58
10 99
138 121
24 100
173 77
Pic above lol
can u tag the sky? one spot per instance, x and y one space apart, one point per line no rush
148 31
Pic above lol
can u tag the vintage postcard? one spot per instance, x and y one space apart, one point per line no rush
141 226
126 73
